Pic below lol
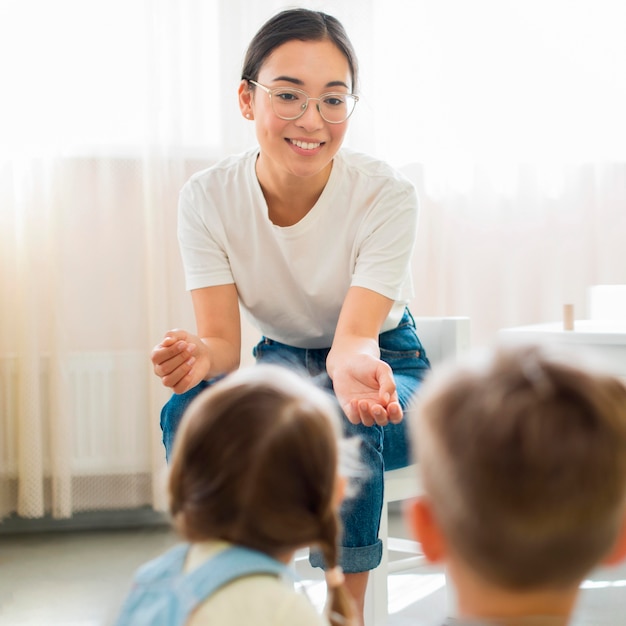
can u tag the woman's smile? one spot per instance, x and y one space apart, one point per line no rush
306 147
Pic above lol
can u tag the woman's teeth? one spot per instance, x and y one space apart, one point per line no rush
305 145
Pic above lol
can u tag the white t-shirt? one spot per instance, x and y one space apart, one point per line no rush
292 280
262 600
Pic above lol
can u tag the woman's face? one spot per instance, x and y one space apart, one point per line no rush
306 146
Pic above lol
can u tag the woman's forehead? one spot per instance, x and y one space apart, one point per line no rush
307 63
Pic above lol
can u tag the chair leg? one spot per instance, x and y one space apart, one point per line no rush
451 598
377 594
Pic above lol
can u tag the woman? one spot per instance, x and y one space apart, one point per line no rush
314 242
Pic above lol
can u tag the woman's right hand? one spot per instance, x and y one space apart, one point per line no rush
181 360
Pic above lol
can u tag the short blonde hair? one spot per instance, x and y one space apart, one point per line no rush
524 460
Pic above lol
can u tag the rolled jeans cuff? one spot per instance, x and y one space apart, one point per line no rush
353 560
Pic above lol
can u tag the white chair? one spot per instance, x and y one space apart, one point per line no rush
444 338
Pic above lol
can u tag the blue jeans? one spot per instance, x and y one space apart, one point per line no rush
382 447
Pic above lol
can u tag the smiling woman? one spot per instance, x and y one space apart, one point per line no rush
307 132
314 242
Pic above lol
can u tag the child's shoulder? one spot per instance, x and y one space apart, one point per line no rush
269 599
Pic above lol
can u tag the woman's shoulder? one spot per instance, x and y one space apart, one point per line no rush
233 168
370 166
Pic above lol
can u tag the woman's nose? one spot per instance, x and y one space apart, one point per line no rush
311 118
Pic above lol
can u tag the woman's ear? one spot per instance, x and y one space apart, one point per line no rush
245 100
617 554
419 518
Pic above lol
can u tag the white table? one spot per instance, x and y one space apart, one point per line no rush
600 342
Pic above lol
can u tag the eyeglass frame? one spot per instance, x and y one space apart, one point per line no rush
270 92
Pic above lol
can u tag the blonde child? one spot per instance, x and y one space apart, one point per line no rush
254 477
523 461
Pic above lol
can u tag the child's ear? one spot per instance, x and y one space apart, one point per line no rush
618 552
419 518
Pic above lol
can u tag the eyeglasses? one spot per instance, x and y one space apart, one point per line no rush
290 103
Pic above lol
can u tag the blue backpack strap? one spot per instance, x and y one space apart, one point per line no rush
151 599
226 566
167 565
163 595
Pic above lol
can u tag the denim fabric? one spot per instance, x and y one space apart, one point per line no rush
382 447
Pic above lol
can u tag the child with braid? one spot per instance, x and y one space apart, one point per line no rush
254 476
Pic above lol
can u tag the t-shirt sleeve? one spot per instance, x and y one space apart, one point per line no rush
386 243
201 240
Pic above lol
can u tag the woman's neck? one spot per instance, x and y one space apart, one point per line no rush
289 198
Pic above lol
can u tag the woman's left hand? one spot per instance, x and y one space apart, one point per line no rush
366 391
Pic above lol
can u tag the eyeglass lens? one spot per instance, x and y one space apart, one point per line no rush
333 107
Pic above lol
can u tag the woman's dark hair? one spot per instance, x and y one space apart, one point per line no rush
255 463
303 25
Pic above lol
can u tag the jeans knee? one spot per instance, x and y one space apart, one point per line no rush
172 414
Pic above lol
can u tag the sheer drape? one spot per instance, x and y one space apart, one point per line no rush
512 249
113 105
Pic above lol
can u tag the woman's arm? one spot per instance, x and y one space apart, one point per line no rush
364 385
182 359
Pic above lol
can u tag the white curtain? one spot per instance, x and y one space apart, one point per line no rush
508 116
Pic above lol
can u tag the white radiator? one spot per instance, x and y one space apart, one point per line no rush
108 410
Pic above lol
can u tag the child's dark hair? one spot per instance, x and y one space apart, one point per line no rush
299 24
255 463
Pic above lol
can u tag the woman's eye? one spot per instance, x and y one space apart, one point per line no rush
334 101
287 96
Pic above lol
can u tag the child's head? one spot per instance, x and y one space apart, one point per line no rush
255 463
523 460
